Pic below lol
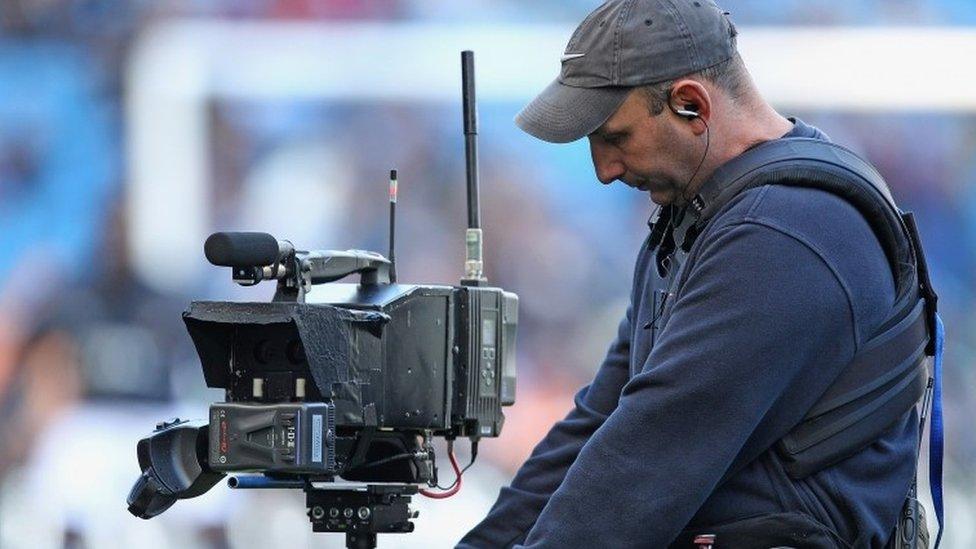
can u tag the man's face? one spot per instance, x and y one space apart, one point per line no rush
657 154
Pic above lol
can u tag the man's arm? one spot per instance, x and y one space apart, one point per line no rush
518 505
761 328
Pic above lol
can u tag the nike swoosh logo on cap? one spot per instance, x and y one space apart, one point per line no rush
569 56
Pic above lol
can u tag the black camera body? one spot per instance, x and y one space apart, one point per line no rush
305 382
349 381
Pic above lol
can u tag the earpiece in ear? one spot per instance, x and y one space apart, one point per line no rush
686 112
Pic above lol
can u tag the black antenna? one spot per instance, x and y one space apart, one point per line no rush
473 265
393 201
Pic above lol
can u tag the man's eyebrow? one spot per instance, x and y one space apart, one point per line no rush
604 132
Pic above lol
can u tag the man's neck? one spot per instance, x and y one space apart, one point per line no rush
736 135
766 126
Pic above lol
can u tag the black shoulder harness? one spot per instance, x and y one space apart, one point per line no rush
889 374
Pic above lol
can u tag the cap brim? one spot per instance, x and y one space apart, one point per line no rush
561 113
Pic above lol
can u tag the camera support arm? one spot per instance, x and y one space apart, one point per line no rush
303 269
331 265
254 257
174 466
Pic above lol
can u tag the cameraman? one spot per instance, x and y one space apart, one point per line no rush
676 433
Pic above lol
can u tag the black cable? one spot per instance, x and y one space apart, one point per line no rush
708 142
661 233
385 460
474 456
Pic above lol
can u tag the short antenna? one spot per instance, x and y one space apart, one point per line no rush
393 201
473 265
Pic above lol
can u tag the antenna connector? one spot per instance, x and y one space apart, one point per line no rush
473 264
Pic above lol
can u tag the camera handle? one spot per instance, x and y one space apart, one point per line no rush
174 466
260 256
331 265
303 269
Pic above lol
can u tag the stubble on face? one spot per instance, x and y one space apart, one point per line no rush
654 153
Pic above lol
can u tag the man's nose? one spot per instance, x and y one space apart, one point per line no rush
608 167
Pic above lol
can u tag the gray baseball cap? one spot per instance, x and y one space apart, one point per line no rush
620 45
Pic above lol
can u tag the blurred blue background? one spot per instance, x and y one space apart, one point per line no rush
129 131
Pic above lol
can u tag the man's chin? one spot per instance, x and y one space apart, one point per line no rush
662 197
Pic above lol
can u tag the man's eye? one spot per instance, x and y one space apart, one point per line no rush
615 139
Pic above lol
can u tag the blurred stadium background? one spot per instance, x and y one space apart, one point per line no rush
130 130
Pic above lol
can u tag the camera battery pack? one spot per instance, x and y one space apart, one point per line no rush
274 438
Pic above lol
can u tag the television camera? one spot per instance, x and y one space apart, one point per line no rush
339 389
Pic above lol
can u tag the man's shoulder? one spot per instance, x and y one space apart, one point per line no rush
829 225
812 215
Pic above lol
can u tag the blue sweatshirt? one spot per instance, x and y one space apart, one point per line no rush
788 284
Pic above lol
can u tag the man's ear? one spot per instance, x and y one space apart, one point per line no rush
691 95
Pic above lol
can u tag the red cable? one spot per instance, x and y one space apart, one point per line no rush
457 486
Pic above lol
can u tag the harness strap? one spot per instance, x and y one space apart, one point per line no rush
888 376
935 349
936 433
884 380
818 164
